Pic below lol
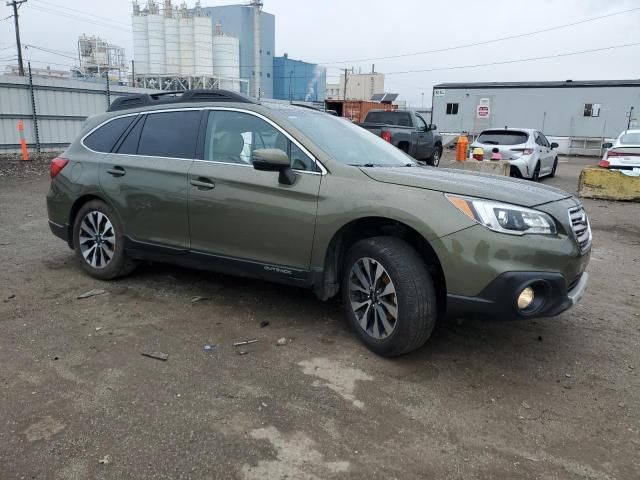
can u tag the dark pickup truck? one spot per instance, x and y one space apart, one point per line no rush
408 131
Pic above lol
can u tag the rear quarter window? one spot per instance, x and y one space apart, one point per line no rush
105 137
501 137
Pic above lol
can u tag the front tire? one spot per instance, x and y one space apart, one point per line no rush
434 161
388 296
536 173
98 240
555 167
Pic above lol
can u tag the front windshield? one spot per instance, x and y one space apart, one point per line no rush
345 142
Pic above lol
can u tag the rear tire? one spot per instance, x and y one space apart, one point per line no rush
434 161
398 314
98 240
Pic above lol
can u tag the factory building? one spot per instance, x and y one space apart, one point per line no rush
177 48
359 86
295 80
576 114
256 50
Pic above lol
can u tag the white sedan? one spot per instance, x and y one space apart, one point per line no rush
624 153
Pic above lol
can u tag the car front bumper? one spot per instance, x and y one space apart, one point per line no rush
499 300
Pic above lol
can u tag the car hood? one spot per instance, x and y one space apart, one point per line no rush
473 184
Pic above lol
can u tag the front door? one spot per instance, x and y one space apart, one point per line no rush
545 153
145 178
425 139
237 213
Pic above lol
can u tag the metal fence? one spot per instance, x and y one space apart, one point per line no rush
53 110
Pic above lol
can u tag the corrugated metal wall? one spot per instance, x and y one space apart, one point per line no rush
61 107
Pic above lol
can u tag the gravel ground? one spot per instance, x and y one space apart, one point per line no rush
547 399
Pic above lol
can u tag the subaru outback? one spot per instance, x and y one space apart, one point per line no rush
214 180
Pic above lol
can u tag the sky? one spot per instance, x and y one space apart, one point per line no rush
355 31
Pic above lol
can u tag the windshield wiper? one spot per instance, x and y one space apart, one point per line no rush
368 165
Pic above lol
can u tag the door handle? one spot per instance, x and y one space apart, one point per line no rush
117 171
203 183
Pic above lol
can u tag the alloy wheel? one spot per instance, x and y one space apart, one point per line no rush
373 298
97 239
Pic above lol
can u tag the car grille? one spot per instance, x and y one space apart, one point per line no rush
581 228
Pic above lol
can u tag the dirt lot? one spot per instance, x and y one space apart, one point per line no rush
549 399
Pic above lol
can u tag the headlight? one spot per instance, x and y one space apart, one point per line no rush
504 217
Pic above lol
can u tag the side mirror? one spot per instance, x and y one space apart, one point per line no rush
554 145
433 126
274 160
607 145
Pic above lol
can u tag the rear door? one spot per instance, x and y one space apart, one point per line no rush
145 178
239 214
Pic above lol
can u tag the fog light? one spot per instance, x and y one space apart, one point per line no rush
525 298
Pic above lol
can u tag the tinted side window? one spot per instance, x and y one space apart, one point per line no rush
130 143
233 136
170 134
422 125
545 142
105 137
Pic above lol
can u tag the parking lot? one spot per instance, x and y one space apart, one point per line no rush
550 399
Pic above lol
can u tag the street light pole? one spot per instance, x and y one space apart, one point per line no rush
14 4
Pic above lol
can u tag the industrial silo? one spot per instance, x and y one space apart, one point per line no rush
155 30
226 59
185 24
202 44
140 41
172 40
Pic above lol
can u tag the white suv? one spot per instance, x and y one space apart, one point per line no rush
529 152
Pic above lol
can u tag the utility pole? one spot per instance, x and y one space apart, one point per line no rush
290 94
346 79
133 73
630 116
14 4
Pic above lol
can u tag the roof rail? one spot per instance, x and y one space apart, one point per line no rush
126 102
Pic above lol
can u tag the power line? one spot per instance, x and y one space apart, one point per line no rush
98 18
76 17
506 62
486 42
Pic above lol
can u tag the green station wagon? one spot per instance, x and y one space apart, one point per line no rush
214 180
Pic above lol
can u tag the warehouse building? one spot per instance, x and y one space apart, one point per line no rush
295 80
577 114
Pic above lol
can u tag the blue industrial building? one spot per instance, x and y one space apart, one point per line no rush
237 21
298 80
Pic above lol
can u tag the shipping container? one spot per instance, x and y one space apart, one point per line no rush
356 110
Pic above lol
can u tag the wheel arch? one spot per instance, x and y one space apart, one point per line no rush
327 284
